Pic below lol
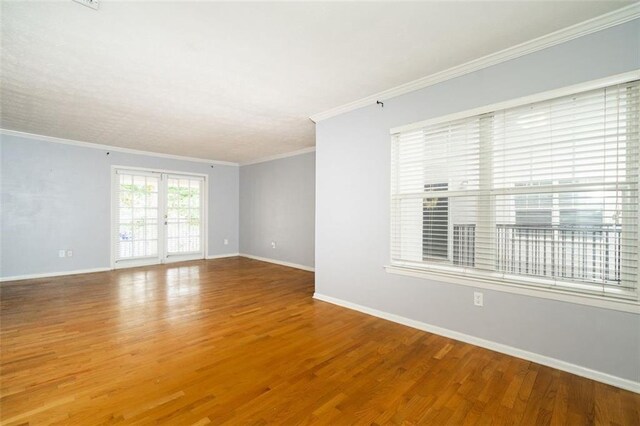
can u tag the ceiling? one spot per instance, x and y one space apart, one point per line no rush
236 81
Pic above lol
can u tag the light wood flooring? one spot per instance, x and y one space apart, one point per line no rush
238 341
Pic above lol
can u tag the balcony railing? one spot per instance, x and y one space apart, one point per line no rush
578 253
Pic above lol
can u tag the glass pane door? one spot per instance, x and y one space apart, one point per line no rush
137 216
157 217
184 215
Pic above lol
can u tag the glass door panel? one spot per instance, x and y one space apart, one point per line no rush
184 215
137 216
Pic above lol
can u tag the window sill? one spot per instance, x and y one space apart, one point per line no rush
630 306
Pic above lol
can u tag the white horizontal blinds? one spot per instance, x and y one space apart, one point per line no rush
184 214
547 191
136 214
430 165
565 176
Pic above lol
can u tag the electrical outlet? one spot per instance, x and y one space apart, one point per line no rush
273 244
62 253
69 253
226 242
477 298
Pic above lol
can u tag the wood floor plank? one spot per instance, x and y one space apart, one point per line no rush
238 341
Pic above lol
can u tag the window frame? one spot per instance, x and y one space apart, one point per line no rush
162 257
530 286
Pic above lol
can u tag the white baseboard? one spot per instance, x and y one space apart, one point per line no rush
88 271
53 274
488 344
278 262
221 256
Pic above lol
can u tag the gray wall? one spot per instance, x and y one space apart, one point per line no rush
56 196
277 203
352 226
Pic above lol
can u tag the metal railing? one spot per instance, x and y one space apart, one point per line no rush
582 253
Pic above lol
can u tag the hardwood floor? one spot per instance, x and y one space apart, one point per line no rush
239 341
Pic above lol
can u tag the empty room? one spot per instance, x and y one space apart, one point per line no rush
328 213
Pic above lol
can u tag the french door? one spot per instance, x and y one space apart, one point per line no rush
157 217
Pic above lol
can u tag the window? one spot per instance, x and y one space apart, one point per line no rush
435 232
542 194
184 225
157 217
137 215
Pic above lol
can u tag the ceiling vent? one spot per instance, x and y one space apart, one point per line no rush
93 4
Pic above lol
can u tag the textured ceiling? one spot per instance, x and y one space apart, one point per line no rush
236 81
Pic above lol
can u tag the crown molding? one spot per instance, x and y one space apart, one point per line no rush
279 156
600 83
111 148
593 25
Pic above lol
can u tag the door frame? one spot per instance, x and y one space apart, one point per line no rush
162 258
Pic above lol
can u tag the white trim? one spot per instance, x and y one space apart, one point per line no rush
112 218
598 23
278 262
279 156
578 370
159 171
175 258
221 256
146 263
134 263
111 148
630 306
162 256
512 103
53 274
542 290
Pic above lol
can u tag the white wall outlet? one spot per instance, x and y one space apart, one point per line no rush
273 244
62 253
477 298
69 253
226 241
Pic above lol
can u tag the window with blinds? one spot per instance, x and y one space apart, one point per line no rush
544 194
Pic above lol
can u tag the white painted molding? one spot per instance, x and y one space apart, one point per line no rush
53 274
209 257
558 294
488 344
517 102
598 23
278 262
222 256
279 156
112 148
